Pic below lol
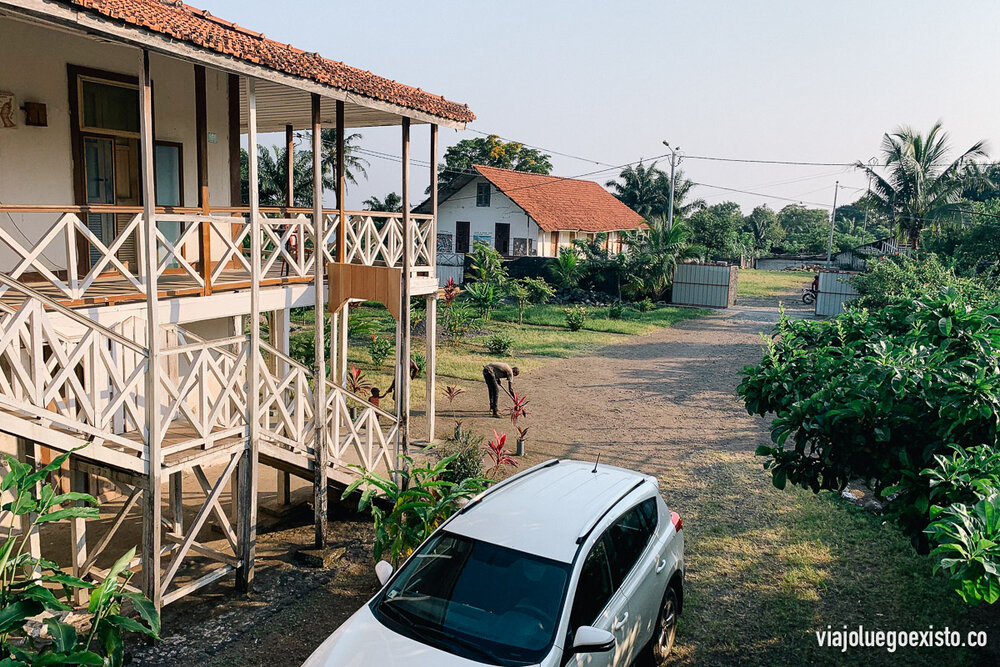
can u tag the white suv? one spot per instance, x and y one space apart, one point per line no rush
566 563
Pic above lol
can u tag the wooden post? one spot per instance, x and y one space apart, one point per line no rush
235 175
78 536
176 486
430 368
280 334
201 145
340 373
151 497
404 311
289 166
319 348
431 313
247 487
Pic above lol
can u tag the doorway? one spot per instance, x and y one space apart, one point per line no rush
501 238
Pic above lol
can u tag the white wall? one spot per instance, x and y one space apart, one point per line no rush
482 219
36 165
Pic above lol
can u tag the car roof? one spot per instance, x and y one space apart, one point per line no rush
545 509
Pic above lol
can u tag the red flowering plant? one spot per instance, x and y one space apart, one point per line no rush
357 383
496 450
450 291
451 392
519 410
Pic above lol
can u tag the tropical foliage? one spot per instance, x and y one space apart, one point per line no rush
491 151
922 185
646 190
31 587
653 254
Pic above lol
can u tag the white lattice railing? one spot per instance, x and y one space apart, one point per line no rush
376 238
60 367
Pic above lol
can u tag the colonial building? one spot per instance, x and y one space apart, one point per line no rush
134 278
523 214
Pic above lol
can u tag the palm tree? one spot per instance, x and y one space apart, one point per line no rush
921 185
646 190
655 252
272 177
354 166
392 203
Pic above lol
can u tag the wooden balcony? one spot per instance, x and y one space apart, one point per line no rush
199 253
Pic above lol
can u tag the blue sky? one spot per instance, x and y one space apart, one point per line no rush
779 80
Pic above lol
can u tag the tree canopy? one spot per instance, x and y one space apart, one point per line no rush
492 152
646 190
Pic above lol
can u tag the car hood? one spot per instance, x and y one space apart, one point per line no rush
362 641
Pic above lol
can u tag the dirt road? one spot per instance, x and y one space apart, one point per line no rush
766 568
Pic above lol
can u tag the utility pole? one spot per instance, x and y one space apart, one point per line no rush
673 165
833 219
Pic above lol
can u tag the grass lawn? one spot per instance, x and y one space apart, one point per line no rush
764 284
543 337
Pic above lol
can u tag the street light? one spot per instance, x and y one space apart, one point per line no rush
673 164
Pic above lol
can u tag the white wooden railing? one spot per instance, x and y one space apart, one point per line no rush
376 238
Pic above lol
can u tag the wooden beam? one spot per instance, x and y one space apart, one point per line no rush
289 166
430 369
247 499
432 244
341 187
404 311
319 344
151 509
235 177
201 146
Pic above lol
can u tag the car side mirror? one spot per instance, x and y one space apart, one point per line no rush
588 639
383 570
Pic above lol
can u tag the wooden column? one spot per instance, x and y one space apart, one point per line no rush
319 347
289 166
247 499
280 334
430 369
340 372
152 494
78 536
201 146
404 311
235 177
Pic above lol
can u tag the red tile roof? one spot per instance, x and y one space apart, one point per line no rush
563 203
196 26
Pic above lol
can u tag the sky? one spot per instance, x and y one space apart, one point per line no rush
609 82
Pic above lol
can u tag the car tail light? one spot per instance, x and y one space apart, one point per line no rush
675 519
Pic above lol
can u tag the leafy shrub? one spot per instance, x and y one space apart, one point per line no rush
616 311
968 546
876 395
379 350
898 277
456 320
29 586
486 265
539 291
466 447
568 268
500 344
645 305
417 505
575 317
484 297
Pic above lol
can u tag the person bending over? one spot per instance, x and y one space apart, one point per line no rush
494 374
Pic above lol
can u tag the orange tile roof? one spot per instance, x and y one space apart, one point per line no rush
563 203
196 26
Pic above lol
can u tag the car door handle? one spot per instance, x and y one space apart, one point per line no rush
619 622
659 566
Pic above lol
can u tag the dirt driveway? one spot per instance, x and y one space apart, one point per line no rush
765 568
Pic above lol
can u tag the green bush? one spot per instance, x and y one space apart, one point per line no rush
419 500
616 311
456 320
968 547
539 291
898 277
575 317
500 344
484 297
30 587
379 350
645 305
876 395
466 447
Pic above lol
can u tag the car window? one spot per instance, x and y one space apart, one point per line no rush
628 537
594 588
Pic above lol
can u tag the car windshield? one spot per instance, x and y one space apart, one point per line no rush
484 602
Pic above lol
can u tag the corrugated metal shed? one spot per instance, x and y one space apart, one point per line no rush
834 290
709 285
